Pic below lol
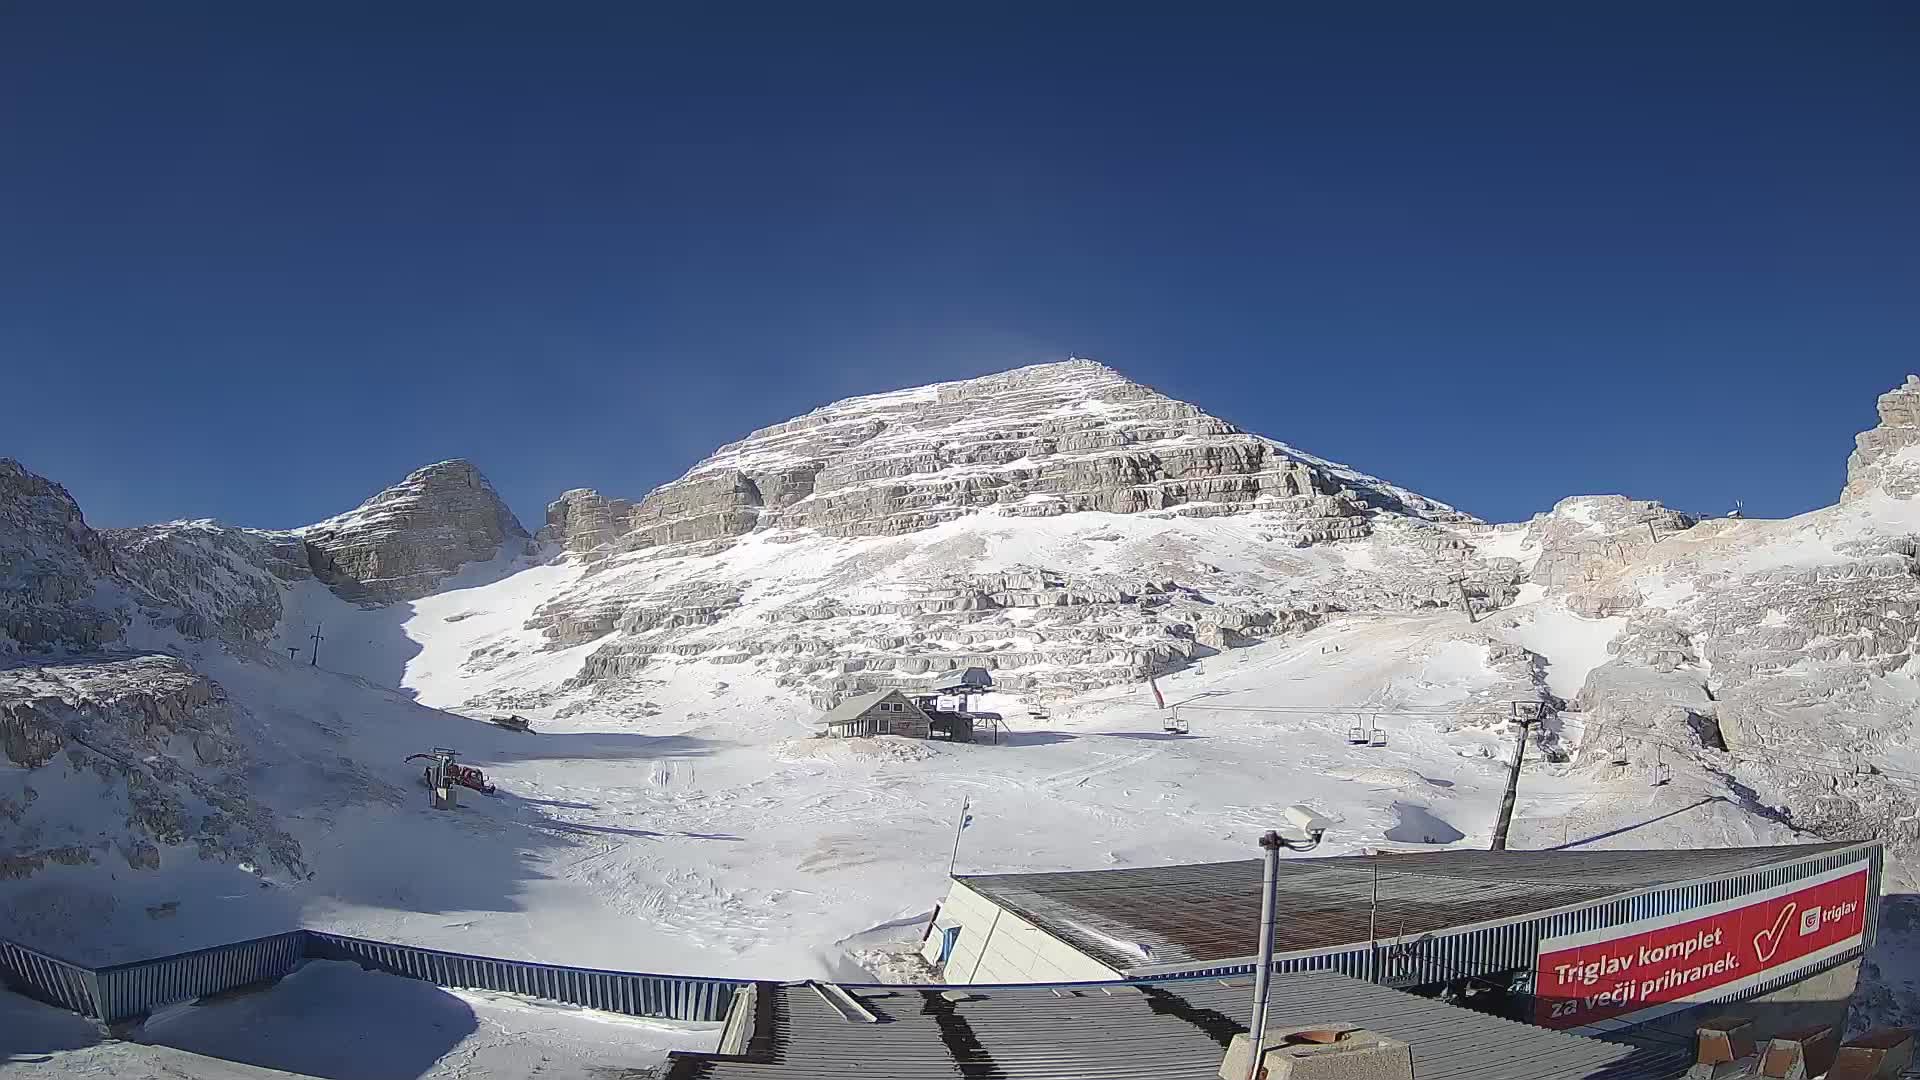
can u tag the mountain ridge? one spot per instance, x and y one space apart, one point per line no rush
1069 530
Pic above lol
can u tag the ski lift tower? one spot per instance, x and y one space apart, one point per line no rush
441 787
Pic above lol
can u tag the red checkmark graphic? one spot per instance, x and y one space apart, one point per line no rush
1767 942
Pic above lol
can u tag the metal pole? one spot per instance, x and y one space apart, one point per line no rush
1270 844
1513 788
1373 923
957 830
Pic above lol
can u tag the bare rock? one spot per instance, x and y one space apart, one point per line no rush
211 580
1882 459
1035 442
1588 539
122 722
50 564
401 543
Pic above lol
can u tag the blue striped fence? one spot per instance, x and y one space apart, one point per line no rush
125 991
673 997
49 978
135 989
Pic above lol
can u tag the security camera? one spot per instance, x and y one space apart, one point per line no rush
1307 820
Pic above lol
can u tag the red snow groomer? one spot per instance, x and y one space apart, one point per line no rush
442 772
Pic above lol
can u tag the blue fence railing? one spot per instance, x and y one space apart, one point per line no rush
673 997
124 991
50 979
135 989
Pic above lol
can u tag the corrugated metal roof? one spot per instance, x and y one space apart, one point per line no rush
1164 1030
851 708
1205 912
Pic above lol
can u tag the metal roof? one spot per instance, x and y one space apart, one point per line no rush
851 708
1205 912
1165 1030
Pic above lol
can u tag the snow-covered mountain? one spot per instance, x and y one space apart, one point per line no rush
1070 530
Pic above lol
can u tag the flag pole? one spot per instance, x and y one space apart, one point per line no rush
957 830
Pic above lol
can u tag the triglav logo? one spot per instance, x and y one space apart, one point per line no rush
1767 942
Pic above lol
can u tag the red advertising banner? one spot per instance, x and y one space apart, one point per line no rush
1599 975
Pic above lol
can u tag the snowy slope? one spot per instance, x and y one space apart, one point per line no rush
1067 529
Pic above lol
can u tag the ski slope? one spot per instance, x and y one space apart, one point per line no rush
715 835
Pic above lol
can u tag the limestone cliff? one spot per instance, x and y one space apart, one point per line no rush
1037 441
51 568
114 757
208 580
401 543
145 738
1056 524
1882 458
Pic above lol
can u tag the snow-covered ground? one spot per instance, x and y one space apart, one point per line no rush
672 810
334 1020
717 836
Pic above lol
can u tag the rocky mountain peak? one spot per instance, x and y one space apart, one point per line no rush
1882 460
1036 441
401 543
50 563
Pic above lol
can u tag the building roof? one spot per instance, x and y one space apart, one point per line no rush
1160 1029
973 678
1205 912
852 707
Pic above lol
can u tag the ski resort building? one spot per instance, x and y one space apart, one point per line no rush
1581 940
883 712
1166 1029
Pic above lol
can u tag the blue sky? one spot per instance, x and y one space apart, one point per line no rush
258 261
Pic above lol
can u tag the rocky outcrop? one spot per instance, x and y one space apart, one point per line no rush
401 543
148 739
1035 442
52 569
1041 630
1586 540
207 580
584 521
1883 459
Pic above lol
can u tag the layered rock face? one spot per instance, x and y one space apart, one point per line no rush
1774 653
1038 441
1588 539
1040 630
401 543
853 548
145 733
52 567
1883 459
207 580
116 758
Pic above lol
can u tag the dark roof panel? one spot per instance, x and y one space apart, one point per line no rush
1159 1029
1203 912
